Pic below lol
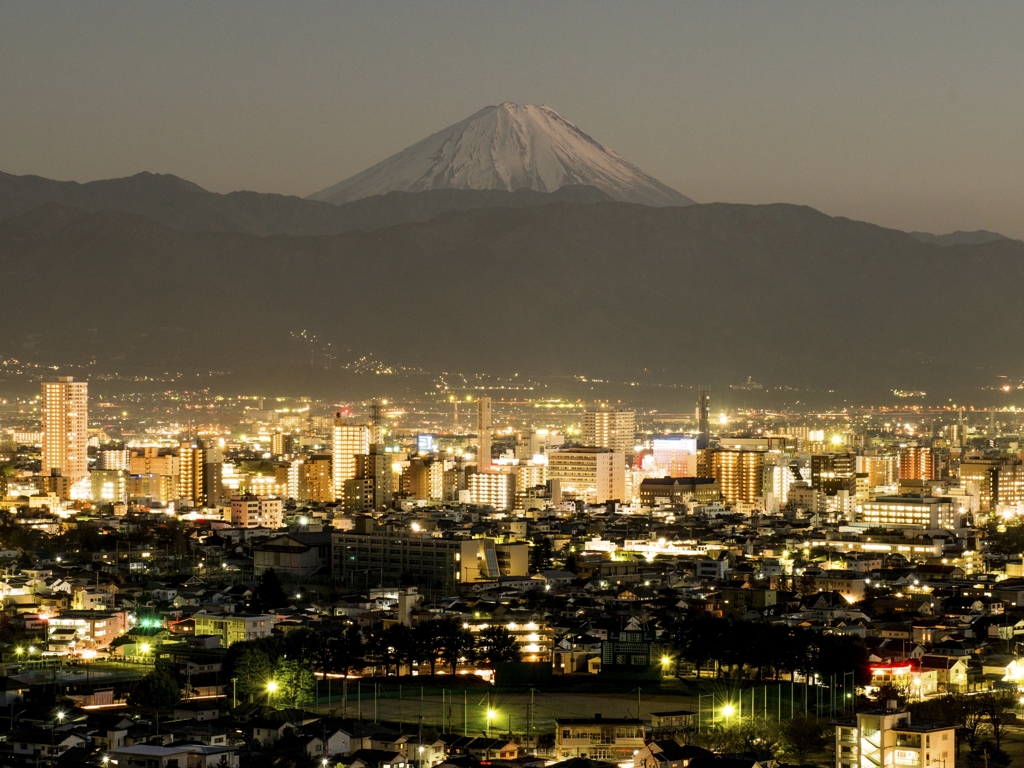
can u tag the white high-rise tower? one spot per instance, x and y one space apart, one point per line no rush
66 427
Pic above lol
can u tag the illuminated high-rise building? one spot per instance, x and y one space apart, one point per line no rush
880 470
281 444
348 440
484 425
998 481
65 411
917 463
834 472
593 475
315 483
609 429
200 473
740 474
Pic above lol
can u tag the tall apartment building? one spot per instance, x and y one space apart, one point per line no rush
917 463
880 470
281 444
423 479
316 483
373 486
65 412
484 427
251 511
740 474
112 459
834 472
347 441
153 461
495 489
615 430
593 475
999 481
200 473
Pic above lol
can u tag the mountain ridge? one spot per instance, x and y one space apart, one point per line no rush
183 205
716 292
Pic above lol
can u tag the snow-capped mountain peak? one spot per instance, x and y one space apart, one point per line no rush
508 147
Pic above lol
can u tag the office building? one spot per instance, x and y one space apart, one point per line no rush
348 440
593 475
675 456
484 427
615 430
678 490
65 416
372 555
926 512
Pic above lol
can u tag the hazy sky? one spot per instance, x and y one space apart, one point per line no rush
906 114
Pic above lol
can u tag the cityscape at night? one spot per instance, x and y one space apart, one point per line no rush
503 450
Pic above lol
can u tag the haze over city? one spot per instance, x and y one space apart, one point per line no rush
519 385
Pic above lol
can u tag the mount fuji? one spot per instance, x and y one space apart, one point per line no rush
507 147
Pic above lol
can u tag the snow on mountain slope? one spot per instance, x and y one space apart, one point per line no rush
508 147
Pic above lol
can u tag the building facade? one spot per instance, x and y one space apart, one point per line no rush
594 475
615 430
65 416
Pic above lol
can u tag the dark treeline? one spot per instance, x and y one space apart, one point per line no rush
762 651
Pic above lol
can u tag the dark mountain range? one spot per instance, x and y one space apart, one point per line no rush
976 237
712 293
180 204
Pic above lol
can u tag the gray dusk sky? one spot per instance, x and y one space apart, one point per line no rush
910 114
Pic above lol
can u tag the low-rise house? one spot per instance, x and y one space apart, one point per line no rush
174 756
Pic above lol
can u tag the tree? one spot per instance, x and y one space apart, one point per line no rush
998 706
457 642
803 736
269 591
496 645
399 647
296 683
157 690
349 651
429 643
253 670
893 691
